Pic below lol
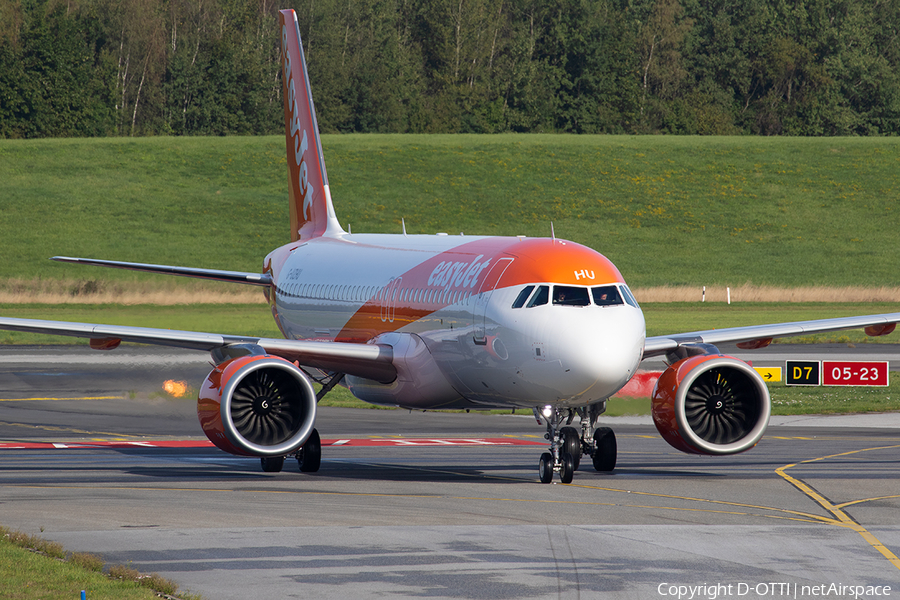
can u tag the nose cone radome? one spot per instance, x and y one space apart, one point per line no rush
600 349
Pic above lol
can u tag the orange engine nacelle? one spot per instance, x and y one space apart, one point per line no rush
711 404
257 406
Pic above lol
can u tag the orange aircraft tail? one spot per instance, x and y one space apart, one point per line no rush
312 213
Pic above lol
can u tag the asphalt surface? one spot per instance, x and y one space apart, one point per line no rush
421 505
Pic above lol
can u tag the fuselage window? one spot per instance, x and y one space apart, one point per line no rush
540 297
606 295
565 295
523 296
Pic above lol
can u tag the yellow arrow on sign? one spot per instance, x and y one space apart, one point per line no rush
769 374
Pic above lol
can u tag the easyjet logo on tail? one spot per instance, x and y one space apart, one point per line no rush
297 134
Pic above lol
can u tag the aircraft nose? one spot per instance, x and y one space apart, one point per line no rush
600 349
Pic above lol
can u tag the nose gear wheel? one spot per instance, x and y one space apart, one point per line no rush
567 444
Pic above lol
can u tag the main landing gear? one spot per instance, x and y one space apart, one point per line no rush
309 457
567 444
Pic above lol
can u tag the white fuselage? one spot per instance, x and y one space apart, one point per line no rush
445 306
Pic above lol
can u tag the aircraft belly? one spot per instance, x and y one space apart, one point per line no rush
420 383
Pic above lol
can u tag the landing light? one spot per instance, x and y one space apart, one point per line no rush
547 411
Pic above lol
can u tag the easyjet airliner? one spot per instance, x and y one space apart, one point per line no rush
448 322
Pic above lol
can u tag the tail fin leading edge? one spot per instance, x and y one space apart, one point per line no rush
312 213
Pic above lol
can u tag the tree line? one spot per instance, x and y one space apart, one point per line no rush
211 67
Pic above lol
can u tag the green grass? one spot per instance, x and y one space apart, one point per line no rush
34 568
666 210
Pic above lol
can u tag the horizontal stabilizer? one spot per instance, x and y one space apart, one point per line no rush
214 274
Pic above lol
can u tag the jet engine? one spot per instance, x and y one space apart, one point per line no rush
711 404
257 406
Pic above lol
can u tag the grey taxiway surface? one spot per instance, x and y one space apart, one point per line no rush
431 511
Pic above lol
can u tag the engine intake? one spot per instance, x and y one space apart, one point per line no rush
711 404
257 406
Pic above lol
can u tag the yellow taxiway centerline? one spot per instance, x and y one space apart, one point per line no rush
842 518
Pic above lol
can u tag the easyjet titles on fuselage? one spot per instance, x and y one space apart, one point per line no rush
458 274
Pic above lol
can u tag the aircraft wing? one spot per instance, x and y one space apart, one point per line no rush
214 274
755 336
371 361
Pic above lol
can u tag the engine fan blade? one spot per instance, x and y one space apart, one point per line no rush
261 409
719 406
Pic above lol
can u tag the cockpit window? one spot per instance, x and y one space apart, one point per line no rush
606 295
523 296
565 295
540 297
629 297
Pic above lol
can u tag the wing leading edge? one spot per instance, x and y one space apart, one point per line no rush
760 335
371 361
213 274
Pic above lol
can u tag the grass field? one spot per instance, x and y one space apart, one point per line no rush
669 211
31 567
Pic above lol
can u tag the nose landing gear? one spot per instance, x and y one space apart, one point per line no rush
567 445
